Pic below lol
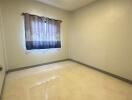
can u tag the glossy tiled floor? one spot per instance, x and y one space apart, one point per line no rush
64 81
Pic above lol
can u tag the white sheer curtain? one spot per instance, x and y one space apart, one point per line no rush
41 32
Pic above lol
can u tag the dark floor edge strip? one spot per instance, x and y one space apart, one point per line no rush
2 90
28 67
97 69
32 66
23 68
105 72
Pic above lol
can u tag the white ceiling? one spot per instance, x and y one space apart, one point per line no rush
69 5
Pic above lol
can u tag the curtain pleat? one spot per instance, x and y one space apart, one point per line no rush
41 32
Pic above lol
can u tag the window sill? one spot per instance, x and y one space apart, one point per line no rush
43 51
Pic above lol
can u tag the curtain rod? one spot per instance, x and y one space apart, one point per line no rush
41 16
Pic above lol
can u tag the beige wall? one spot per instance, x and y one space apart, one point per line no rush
2 62
14 33
101 36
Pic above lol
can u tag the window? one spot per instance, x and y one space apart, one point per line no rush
41 32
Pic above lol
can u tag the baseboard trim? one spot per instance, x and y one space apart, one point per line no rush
32 66
92 67
23 68
2 90
102 71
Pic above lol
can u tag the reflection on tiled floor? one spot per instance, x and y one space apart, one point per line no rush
64 81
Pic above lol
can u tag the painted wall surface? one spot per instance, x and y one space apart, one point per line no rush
98 35
2 62
15 33
101 36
